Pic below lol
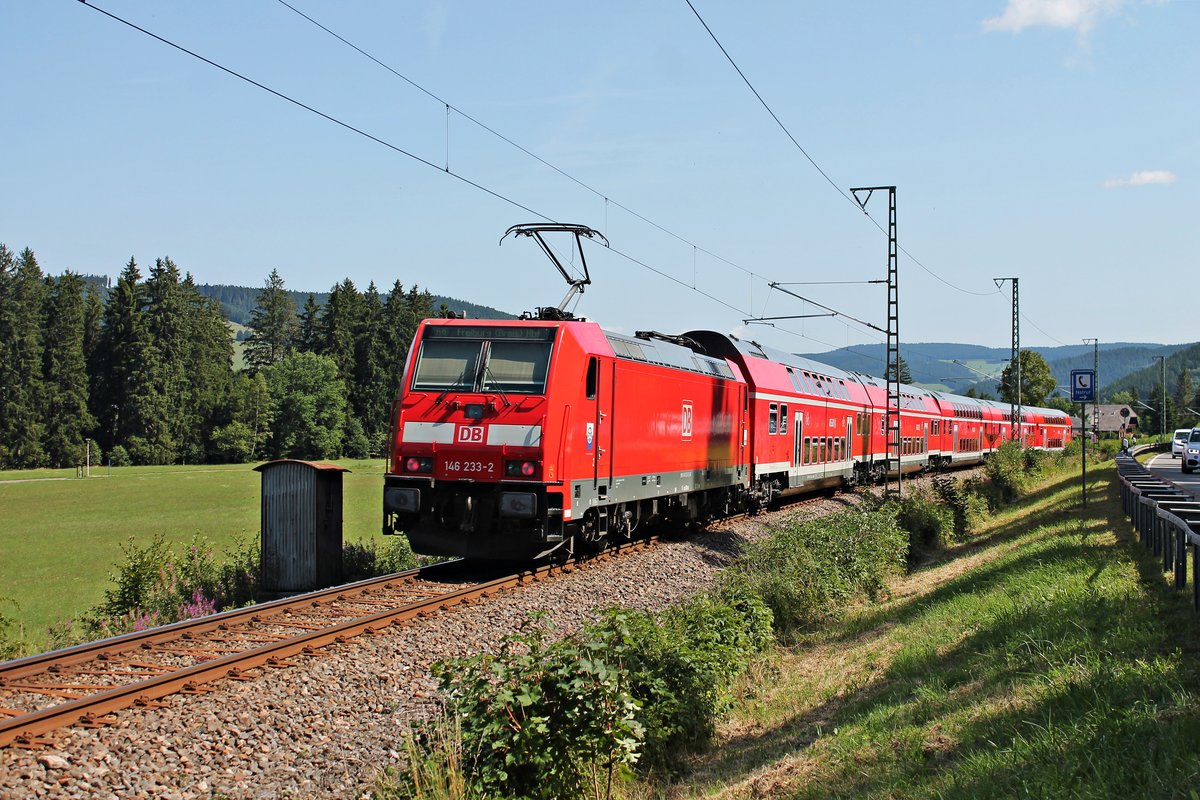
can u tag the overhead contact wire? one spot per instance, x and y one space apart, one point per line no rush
426 162
804 152
319 113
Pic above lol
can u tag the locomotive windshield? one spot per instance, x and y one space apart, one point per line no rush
484 359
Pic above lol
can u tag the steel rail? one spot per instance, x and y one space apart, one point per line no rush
41 662
22 729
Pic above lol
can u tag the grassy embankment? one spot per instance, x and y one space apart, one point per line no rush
1044 658
60 539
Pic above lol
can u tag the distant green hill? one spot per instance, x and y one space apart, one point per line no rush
1148 373
238 301
956 367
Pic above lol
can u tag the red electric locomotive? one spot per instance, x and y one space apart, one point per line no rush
513 439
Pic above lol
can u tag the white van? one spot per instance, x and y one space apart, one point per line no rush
1178 440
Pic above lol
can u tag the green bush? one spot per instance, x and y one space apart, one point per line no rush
929 521
355 443
10 645
808 572
119 457
965 501
368 558
157 586
1107 449
565 719
540 719
681 667
1005 468
1035 463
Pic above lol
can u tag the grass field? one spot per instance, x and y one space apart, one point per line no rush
61 536
1046 658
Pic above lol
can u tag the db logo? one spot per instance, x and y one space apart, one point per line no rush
470 433
686 425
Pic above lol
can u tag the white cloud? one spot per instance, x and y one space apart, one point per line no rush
1079 15
1146 177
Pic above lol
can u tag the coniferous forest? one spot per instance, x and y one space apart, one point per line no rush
144 372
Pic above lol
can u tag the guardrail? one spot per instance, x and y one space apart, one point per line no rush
1166 518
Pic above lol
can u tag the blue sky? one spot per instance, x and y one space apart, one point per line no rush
1052 140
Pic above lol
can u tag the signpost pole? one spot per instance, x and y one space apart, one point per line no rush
1083 391
1084 437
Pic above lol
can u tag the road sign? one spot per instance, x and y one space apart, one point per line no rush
1083 385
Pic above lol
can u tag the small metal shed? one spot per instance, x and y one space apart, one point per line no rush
301 525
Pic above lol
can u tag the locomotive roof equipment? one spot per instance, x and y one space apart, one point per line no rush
576 284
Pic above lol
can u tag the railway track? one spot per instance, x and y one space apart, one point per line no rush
85 684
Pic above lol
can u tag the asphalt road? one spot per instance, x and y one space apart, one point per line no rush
1166 466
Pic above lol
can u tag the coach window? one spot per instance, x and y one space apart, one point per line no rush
593 376
773 419
783 418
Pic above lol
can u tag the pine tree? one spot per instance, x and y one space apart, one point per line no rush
127 359
1184 392
340 322
9 376
93 338
420 306
273 325
398 329
22 391
369 393
905 372
68 418
307 339
209 353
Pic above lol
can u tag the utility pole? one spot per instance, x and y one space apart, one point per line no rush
1018 431
892 414
1162 420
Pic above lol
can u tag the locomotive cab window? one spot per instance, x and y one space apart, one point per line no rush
593 377
484 359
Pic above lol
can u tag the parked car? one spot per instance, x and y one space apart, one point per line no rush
1178 441
1191 452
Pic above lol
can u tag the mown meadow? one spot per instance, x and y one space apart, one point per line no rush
61 537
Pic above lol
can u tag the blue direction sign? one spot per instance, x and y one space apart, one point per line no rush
1083 385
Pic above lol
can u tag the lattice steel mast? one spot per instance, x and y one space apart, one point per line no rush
892 414
1014 409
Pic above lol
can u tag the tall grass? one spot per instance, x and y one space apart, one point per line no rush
61 539
1059 665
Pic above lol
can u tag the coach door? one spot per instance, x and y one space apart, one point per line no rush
848 447
601 380
798 450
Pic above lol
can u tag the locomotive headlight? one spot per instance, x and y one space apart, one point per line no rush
521 469
518 504
414 464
